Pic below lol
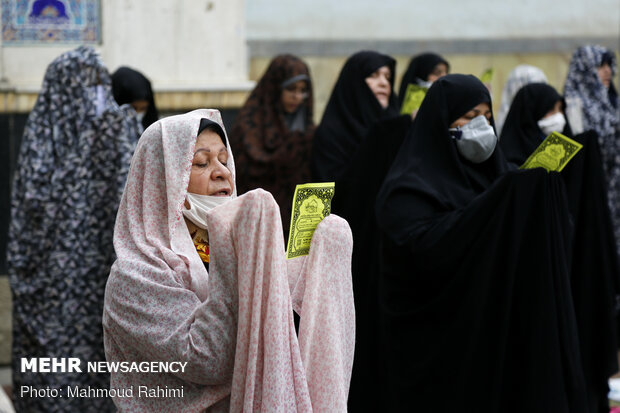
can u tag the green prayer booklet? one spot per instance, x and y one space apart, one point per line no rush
487 76
311 203
553 153
413 98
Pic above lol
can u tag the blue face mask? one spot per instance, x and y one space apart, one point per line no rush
476 140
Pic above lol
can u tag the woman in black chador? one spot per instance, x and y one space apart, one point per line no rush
362 96
361 127
423 70
354 200
132 87
475 300
537 111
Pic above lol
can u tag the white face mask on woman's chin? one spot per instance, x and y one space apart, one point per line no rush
553 123
424 83
199 205
476 140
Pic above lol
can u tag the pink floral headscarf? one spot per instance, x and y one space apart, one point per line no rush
233 326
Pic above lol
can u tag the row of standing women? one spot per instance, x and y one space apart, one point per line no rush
476 284
356 145
471 279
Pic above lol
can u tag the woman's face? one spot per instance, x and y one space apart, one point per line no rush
294 95
209 174
604 73
556 108
439 71
140 106
480 109
379 84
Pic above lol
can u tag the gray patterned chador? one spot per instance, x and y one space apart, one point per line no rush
71 171
590 80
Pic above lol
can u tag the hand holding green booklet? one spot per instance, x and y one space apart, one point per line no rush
553 153
413 98
311 203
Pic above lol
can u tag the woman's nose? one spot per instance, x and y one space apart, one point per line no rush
220 171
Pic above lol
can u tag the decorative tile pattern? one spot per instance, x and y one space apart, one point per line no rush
51 21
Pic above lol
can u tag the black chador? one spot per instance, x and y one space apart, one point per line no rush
475 299
350 112
354 200
594 267
420 67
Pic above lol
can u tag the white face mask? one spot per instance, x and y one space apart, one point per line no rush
199 205
554 123
424 83
97 94
140 116
100 102
476 140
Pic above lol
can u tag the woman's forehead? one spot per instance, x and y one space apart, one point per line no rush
209 139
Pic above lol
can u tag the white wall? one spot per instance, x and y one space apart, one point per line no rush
180 44
434 19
